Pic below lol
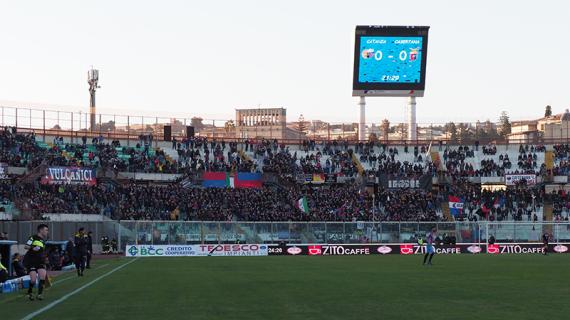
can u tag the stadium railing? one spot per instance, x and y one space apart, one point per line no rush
74 125
192 232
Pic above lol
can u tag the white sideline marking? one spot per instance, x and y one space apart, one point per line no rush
65 297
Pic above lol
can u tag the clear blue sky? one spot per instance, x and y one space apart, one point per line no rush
206 58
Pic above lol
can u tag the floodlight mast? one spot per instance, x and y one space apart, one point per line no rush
93 80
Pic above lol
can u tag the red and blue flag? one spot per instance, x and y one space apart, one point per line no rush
455 205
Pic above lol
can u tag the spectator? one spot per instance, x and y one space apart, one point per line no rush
3 271
17 266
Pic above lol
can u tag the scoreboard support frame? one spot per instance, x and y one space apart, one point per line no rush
362 122
401 89
412 125
412 134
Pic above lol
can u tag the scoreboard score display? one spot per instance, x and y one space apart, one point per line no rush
390 61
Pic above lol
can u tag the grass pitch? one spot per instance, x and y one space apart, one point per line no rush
325 287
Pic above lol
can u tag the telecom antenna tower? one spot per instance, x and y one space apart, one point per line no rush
93 80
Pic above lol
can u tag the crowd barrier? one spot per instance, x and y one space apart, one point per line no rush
215 232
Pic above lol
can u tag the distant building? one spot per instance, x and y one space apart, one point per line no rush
555 127
269 123
524 131
558 130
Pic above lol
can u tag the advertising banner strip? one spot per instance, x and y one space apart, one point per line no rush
411 249
250 250
205 250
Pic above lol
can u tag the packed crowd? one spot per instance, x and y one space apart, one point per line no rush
515 203
174 202
410 205
561 159
330 157
22 150
338 202
386 162
19 150
561 204
459 162
197 154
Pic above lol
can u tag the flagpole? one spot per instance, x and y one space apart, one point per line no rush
374 229
373 206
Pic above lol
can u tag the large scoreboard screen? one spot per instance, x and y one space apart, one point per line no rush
390 61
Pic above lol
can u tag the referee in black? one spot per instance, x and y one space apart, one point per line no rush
34 260
80 254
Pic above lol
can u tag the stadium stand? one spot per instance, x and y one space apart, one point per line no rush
356 192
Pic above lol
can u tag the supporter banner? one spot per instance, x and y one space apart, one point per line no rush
4 171
332 178
222 250
149 176
424 182
344 179
226 180
412 249
217 180
512 179
248 180
323 178
316 178
560 179
69 175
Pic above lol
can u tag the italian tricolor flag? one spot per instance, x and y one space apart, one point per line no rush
230 181
302 205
